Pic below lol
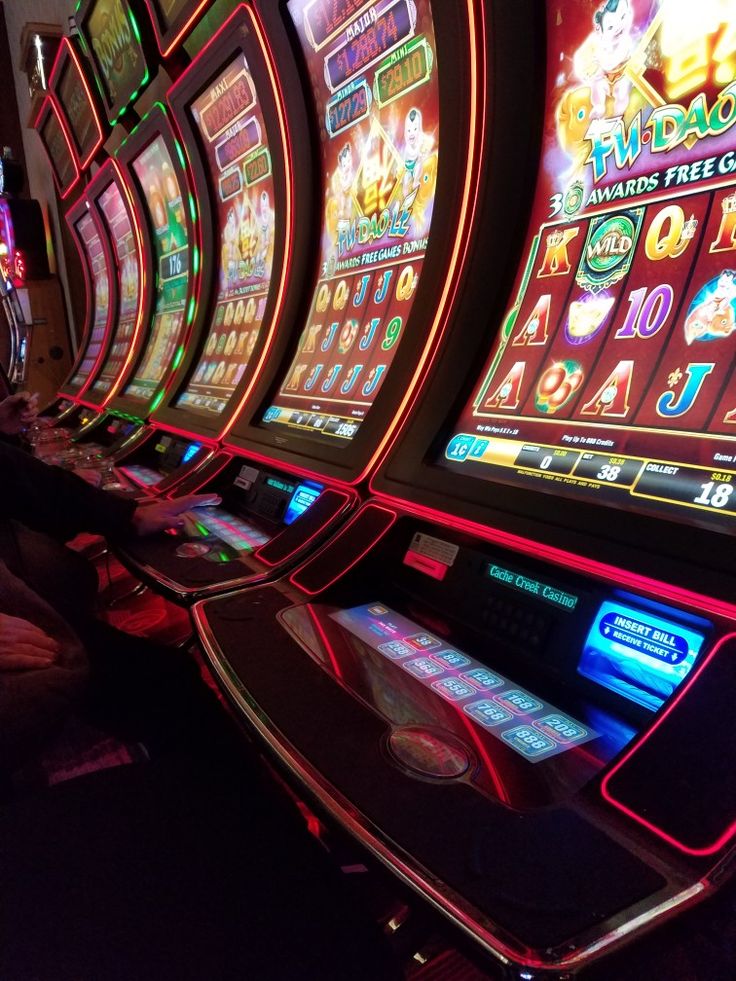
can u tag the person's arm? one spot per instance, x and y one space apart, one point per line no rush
62 505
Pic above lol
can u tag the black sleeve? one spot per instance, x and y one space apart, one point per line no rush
56 501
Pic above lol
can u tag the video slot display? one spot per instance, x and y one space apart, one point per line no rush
233 132
79 111
114 36
613 377
157 178
58 150
126 253
95 255
374 72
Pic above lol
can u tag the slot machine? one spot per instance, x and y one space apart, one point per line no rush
75 98
526 638
391 87
253 226
100 283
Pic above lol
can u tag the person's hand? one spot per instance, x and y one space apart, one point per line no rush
23 646
161 515
17 412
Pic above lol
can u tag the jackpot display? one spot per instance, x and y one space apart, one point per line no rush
613 377
58 150
126 253
374 74
95 256
233 131
155 172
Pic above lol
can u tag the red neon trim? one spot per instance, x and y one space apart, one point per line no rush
166 49
125 193
345 531
67 47
609 797
325 642
48 103
320 531
478 77
569 560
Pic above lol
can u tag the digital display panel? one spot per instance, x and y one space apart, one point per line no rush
126 254
116 48
613 376
374 72
79 111
95 256
639 653
242 183
160 186
527 724
58 150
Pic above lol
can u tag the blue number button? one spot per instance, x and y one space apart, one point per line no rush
453 689
459 447
488 714
519 702
479 447
422 667
528 742
482 678
395 650
452 659
422 642
561 728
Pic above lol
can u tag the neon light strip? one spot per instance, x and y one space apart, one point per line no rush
66 47
165 48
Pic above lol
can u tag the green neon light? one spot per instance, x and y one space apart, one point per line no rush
195 261
190 311
157 401
193 208
177 357
180 155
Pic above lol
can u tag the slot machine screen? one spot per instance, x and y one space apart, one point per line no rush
126 254
57 147
79 111
377 95
95 256
158 181
613 376
230 122
169 10
114 38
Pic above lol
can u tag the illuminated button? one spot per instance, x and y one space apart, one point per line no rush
192 550
453 689
561 728
519 702
422 641
395 650
422 667
453 659
482 678
528 741
487 713
428 753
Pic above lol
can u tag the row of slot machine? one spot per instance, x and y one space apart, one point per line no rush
427 293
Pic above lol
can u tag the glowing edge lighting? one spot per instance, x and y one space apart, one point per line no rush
66 45
48 103
165 51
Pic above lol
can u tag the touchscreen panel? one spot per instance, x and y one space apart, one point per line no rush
377 97
238 163
158 181
613 377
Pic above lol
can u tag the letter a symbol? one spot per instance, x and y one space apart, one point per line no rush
612 398
534 332
506 395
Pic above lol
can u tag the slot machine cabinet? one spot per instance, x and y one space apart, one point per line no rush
543 677
384 289
119 51
58 146
172 20
526 637
77 102
93 246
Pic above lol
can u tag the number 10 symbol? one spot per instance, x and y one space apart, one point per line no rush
647 314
